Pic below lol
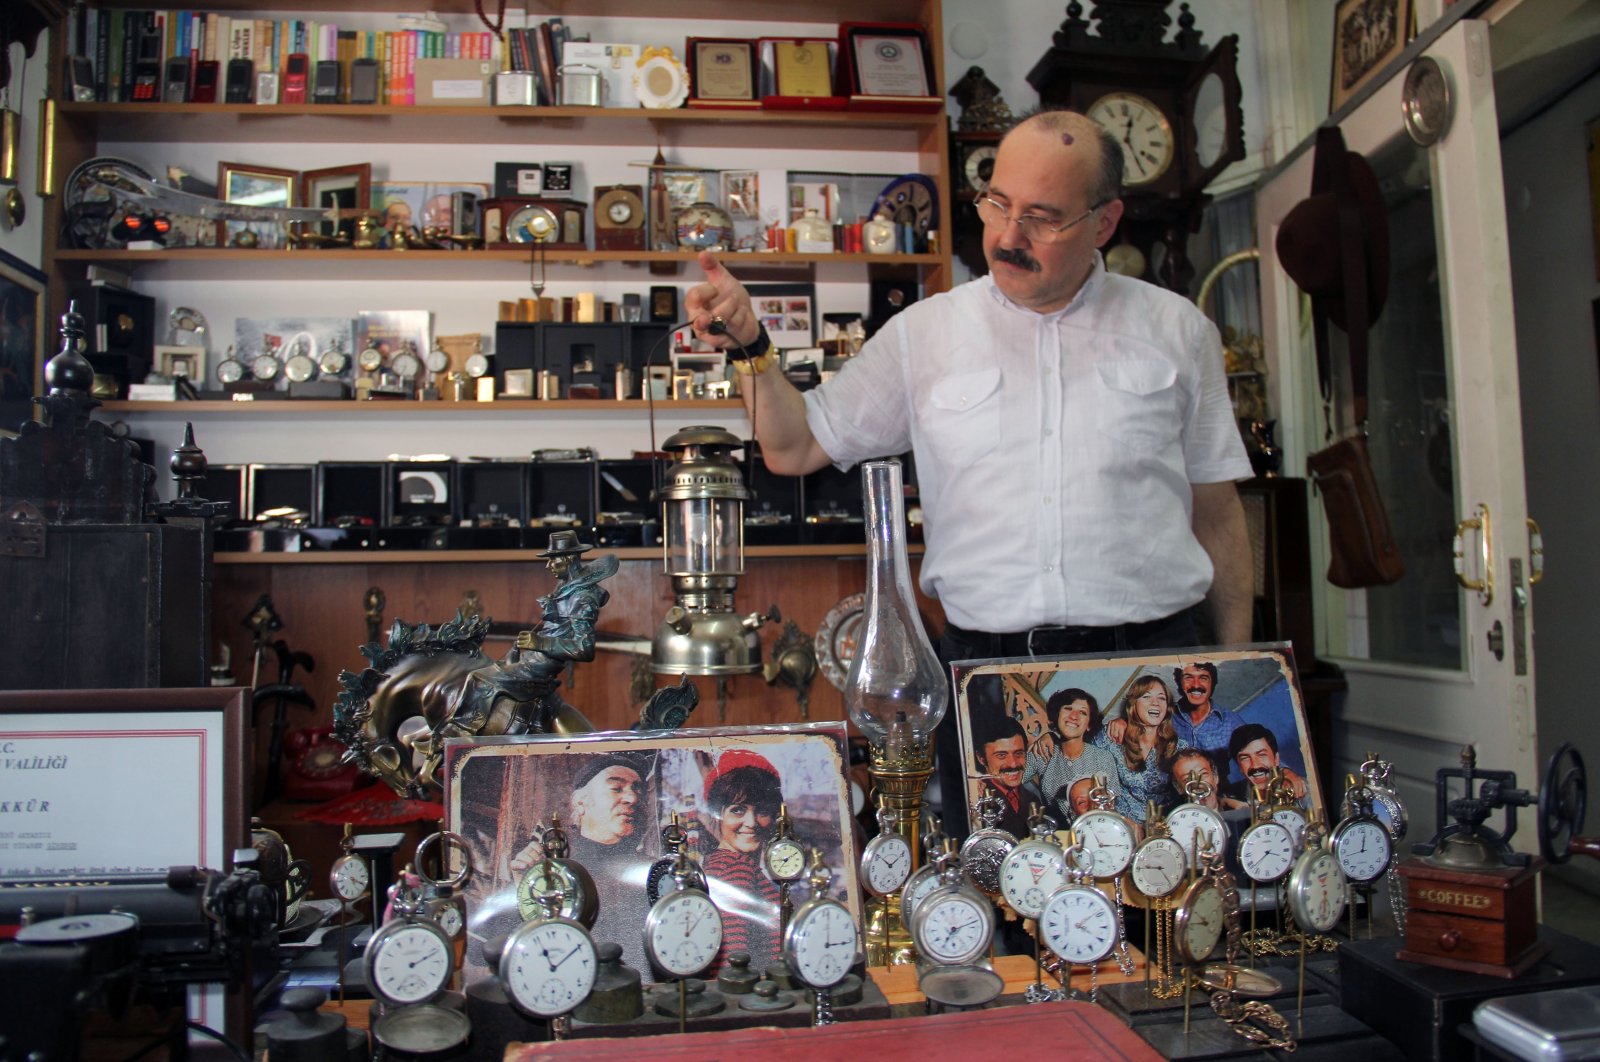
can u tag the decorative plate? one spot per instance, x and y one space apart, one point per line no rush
913 198
835 643
704 227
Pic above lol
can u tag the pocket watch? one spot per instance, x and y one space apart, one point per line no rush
1286 810
925 878
1188 821
1360 842
230 369
437 360
1079 922
548 965
370 359
1159 863
1387 807
1107 836
822 941
334 360
300 366
683 932
350 877
556 873
886 860
409 960
984 850
783 859
953 924
405 364
658 881
266 366
440 901
1200 920
1034 869
1266 849
1317 887
477 364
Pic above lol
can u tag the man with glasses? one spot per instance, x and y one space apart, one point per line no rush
1079 417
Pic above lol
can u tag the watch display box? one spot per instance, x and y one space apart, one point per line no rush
420 494
626 514
291 487
561 494
772 514
121 332
350 497
227 483
492 499
831 502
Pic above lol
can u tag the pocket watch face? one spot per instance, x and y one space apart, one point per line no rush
477 365
334 362
548 967
981 855
265 367
886 863
1079 924
1186 821
1108 838
1317 891
1266 851
300 368
1293 820
1363 849
370 360
532 224
683 933
784 860
578 900
437 360
821 943
952 926
1145 134
230 370
1032 871
1158 866
408 962
1199 923
350 877
406 365
447 915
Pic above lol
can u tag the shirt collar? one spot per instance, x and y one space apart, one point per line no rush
1091 286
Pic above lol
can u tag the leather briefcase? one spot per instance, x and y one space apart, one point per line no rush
1362 545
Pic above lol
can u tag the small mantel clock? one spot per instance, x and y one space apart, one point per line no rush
1171 104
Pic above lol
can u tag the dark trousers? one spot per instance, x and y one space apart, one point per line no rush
1177 631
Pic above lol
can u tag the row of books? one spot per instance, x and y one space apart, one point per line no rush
538 50
128 49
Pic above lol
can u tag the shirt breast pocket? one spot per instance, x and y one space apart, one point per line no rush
962 418
1138 404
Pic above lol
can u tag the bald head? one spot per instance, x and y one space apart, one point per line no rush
1086 145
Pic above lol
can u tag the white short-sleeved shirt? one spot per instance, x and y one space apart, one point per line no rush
1054 452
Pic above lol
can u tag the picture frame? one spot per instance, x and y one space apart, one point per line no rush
723 72
798 72
23 328
262 186
787 312
177 757
347 189
682 385
1367 34
420 205
1006 705
189 362
614 793
887 60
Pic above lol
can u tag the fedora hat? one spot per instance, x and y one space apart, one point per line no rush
565 544
1334 244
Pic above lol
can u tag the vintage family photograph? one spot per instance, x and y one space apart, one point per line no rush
1039 731
615 793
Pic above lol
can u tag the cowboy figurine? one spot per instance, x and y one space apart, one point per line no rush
567 630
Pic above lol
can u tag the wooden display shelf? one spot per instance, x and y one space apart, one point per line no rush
166 112
813 11
531 556
310 256
281 407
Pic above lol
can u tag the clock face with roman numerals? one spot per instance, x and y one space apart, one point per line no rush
1148 143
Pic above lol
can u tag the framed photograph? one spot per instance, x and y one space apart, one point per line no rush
1041 729
313 336
741 194
347 189
787 312
1366 35
615 792
518 384
887 59
722 72
420 206
188 362
115 762
251 185
391 331
22 339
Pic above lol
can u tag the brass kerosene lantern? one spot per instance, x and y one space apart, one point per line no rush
702 512
896 692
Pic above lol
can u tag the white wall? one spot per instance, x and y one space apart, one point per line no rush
23 95
1553 267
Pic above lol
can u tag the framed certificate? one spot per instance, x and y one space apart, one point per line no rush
797 73
722 72
888 63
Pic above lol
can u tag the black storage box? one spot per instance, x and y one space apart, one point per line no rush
772 515
350 504
121 332
421 494
832 506
561 494
627 514
1420 1008
283 487
228 483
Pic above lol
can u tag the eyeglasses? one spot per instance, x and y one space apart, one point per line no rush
1035 228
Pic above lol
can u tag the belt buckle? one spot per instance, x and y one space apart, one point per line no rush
1035 630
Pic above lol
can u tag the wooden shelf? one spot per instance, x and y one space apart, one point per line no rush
399 259
311 406
812 11
529 556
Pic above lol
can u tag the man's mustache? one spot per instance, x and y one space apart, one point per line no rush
1017 257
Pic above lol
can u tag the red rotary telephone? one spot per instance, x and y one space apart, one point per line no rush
316 770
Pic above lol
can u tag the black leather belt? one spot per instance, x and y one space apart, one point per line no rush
1172 631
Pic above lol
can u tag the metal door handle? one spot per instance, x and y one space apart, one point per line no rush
1481 523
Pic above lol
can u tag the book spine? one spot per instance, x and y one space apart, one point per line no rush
102 53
